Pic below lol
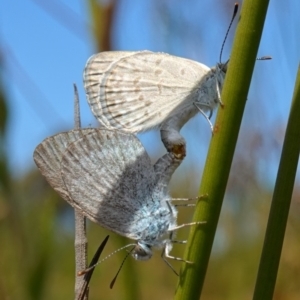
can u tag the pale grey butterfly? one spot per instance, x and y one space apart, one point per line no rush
108 176
139 91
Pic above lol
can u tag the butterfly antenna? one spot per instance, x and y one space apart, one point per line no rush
80 273
236 6
264 58
115 278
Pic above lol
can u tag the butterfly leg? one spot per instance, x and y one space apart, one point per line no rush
179 242
205 116
169 244
218 89
202 197
166 253
187 224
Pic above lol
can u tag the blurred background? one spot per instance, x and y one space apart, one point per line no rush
44 46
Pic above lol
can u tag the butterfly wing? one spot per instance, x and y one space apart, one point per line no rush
137 91
108 174
48 154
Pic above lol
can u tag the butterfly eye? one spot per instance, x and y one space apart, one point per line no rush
142 251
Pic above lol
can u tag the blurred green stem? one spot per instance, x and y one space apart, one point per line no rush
270 257
218 163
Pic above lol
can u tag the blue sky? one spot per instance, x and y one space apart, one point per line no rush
43 57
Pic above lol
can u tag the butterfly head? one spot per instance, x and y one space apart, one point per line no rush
141 251
221 69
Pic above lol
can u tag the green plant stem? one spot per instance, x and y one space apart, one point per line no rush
218 163
270 257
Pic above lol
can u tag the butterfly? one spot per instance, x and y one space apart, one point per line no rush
139 91
108 176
